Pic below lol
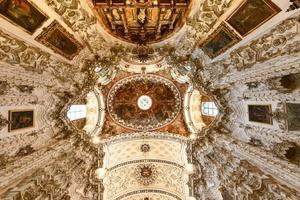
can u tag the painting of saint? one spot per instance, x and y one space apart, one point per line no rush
222 39
59 40
22 13
251 14
20 119
260 113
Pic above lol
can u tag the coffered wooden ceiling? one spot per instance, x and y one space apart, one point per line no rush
142 21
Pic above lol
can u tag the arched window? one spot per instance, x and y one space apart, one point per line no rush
77 112
209 108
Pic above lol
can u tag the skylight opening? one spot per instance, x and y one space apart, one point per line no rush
209 108
76 112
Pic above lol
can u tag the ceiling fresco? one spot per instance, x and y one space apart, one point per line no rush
144 102
124 90
142 21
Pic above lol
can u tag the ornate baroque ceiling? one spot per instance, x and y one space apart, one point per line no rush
144 102
173 100
140 21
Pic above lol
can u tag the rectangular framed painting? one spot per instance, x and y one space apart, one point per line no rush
251 14
260 114
219 41
293 116
20 119
22 13
59 40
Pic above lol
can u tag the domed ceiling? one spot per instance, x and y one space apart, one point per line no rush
144 102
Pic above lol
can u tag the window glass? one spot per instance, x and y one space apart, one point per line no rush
77 112
209 108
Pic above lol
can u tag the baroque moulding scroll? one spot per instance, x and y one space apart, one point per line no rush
18 53
282 40
3 122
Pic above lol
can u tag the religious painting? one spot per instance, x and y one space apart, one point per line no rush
59 40
260 113
293 116
251 14
20 119
22 13
218 42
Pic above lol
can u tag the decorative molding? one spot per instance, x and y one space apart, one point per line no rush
3 122
149 191
144 135
146 161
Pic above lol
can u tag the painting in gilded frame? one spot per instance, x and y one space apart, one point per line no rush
293 116
251 14
59 40
260 114
22 13
219 41
20 119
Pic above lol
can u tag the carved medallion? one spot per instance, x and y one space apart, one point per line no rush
146 174
145 148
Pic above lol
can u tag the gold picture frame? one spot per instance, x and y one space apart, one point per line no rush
57 38
220 41
292 120
12 18
267 114
11 120
237 18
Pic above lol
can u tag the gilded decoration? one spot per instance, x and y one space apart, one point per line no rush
144 102
20 119
60 40
142 21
